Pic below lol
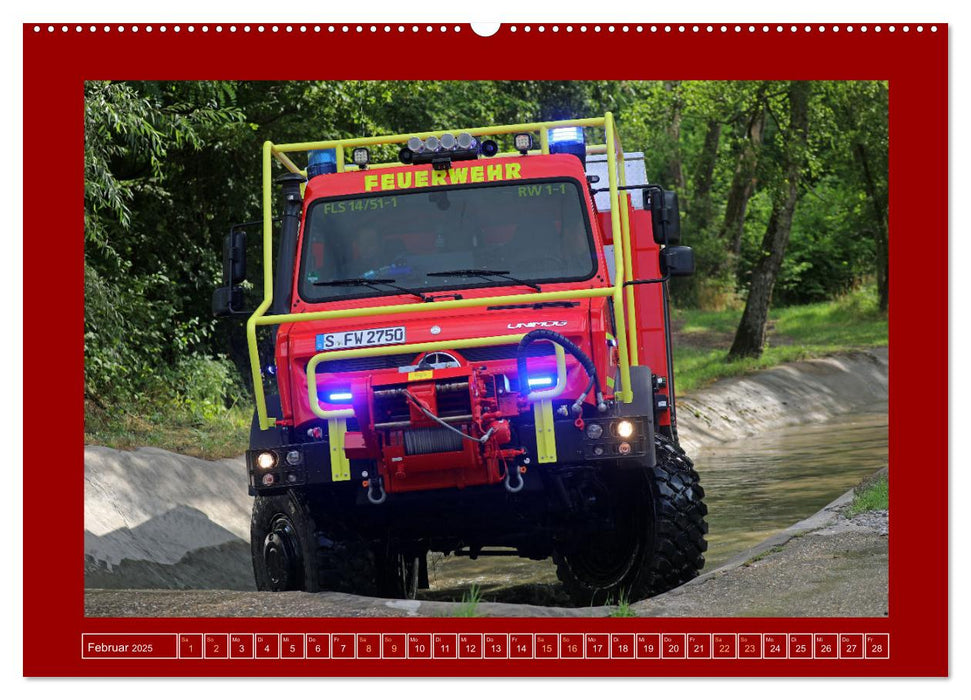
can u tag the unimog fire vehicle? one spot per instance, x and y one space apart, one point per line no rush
471 355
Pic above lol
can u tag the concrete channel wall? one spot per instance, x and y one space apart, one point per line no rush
155 519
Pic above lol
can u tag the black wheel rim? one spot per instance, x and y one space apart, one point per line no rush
281 555
604 561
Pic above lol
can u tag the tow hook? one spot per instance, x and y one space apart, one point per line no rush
375 491
514 485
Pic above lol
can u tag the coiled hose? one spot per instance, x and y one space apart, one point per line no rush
570 347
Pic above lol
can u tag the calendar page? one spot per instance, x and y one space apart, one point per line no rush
534 350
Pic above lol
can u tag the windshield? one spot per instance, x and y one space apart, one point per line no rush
532 232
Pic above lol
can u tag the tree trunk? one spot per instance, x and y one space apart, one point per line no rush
701 198
750 337
879 203
744 180
673 171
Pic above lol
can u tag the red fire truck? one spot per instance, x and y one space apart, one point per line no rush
471 355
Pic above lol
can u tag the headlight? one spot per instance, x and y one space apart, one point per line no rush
266 460
293 457
625 429
594 431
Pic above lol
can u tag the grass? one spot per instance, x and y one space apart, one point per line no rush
872 494
470 602
623 607
702 338
225 434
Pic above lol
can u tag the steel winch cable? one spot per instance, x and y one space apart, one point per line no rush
421 407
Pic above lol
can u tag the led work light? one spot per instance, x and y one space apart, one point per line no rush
523 143
361 157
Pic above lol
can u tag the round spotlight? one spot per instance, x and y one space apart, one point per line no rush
449 142
625 429
266 460
466 141
294 457
594 431
433 143
489 148
416 145
405 155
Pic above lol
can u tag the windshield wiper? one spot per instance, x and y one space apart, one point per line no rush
363 282
484 274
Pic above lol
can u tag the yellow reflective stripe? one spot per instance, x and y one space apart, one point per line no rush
610 382
545 434
340 465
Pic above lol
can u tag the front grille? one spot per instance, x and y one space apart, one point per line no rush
365 364
491 352
505 352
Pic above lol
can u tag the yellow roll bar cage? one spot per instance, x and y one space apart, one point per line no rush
625 321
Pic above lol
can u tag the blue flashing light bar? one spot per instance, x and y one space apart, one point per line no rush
340 397
566 134
322 163
540 381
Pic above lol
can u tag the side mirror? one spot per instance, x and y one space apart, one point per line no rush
677 261
234 258
665 216
228 299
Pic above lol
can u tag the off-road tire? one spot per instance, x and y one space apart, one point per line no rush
295 547
667 531
283 544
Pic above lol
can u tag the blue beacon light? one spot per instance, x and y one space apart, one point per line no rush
568 139
322 163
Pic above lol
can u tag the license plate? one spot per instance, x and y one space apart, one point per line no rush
360 339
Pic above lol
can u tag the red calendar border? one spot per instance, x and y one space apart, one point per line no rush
55 64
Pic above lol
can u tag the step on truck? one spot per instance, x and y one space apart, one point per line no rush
468 352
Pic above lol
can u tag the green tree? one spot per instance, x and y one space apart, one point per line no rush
750 336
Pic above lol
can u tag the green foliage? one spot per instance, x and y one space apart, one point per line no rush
146 338
623 608
470 602
872 494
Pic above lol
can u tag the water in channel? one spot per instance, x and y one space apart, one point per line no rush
754 488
